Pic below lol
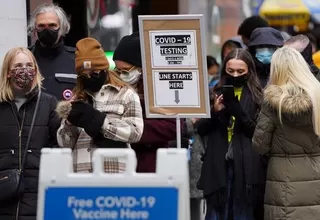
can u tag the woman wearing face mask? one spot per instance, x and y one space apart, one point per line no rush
104 113
157 132
232 176
20 85
262 44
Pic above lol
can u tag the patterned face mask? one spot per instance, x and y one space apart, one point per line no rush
23 77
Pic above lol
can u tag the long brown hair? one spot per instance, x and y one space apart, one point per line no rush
253 82
112 78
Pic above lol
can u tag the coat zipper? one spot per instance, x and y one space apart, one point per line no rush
20 151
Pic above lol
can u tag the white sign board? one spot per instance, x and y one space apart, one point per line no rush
171 49
176 88
100 196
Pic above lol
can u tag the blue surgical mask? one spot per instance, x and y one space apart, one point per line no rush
264 55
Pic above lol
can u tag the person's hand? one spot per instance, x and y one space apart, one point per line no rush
234 107
218 103
85 116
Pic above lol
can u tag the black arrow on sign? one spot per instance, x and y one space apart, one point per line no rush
176 96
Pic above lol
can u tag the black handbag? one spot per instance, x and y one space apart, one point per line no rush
11 184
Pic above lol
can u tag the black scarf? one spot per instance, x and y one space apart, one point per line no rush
249 170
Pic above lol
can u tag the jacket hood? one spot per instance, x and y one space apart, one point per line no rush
266 36
295 103
295 106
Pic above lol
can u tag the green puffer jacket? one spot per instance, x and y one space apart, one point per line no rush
293 176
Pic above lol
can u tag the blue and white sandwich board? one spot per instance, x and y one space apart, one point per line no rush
66 195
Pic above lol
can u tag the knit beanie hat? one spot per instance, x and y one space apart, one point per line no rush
90 55
128 50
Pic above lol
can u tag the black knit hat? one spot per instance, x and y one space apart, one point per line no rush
128 50
250 24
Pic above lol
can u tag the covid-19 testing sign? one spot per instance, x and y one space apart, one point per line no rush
173 49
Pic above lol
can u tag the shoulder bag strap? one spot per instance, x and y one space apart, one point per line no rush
30 131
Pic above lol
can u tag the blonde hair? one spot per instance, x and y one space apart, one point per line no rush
6 93
289 67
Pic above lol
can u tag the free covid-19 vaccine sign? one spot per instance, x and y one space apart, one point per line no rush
127 196
111 203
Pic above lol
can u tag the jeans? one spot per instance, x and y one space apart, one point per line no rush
232 210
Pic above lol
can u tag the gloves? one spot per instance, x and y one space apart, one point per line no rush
234 108
85 116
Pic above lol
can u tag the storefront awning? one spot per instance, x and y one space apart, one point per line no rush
286 13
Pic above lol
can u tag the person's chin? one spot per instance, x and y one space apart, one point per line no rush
22 90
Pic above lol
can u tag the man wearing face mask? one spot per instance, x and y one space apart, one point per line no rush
49 23
157 132
302 44
262 44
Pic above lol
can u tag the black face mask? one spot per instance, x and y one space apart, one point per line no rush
48 37
236 81
95 82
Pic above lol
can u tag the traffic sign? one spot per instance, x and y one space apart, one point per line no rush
173 49
93 9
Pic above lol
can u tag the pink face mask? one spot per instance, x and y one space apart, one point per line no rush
23 77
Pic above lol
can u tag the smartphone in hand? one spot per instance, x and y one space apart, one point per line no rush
228 92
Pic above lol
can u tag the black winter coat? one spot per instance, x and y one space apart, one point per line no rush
249 169
57 67
12 145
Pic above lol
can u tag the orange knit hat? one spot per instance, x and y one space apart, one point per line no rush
90 55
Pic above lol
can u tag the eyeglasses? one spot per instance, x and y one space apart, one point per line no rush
124 71
92 74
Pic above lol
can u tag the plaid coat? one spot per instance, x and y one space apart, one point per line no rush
123 123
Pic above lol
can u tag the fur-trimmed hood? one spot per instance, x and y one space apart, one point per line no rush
296 102
296 105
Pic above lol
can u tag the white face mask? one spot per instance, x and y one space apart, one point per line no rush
132 77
